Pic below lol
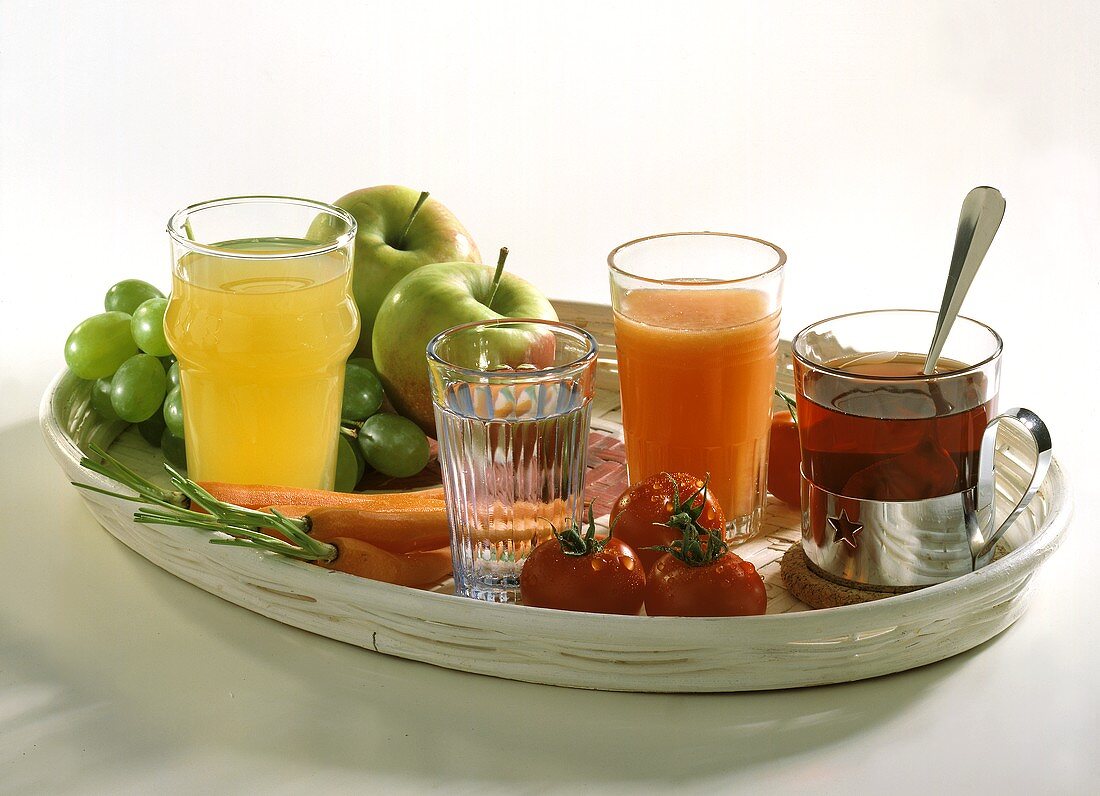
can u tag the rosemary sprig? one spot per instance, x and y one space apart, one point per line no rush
174 508
112 468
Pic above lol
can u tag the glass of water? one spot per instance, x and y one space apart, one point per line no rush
512 406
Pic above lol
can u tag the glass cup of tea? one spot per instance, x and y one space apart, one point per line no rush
512 408
262 320
897 465
697 333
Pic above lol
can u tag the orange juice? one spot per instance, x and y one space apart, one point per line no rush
696 372
261 345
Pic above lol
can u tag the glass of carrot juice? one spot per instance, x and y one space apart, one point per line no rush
697 330
261 320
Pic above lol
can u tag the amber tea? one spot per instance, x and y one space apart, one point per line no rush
874 427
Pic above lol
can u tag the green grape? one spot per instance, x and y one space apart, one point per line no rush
174 375
393 445
98 345
349 464
173 411
362 393
129 294
137 388
101 400
153 428
147 326
174 449
364 362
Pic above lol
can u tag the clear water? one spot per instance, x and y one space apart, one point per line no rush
513 468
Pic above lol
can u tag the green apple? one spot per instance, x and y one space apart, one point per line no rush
437 297
400 230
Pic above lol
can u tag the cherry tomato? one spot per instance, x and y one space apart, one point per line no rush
638 515
784 460
730 586
608 579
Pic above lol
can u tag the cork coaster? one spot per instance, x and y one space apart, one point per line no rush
813 589
817 592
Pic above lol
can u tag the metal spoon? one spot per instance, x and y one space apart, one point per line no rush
980 218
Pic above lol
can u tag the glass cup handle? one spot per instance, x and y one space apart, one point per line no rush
981 543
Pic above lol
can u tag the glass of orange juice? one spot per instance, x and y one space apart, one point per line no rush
261 319
697 330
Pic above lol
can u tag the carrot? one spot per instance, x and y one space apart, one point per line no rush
397 530
256 496
241 526
417 570
293 510
299 510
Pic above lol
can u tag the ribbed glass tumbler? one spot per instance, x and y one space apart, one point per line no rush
512 407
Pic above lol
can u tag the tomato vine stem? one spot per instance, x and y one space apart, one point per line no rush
697 546
573 544
789 400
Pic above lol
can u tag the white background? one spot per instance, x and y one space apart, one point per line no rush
847 133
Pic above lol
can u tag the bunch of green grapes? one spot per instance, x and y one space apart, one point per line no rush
391 444
135 377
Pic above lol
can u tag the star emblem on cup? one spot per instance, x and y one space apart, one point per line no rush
844 530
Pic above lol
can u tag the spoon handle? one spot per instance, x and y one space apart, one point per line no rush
980 218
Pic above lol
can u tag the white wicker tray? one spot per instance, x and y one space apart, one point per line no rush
791 646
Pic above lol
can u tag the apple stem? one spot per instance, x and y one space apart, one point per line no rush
416 209
497 275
